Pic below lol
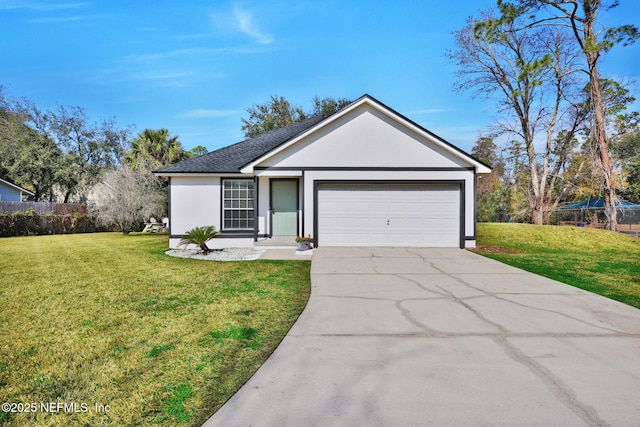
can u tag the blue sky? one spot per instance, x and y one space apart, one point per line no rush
194 67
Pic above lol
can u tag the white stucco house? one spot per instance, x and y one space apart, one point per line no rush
10 192
364 176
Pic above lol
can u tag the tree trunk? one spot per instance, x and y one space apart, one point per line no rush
598 128
537 214
537 204
37 194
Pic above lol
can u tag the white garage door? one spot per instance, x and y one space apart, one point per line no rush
389 215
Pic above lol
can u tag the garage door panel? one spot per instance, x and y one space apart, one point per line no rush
389 215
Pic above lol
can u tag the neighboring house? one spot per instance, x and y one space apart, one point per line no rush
364 176
10 192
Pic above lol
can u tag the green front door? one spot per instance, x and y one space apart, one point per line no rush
284 207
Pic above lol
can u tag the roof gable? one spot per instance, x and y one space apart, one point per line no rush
243 156
364 138
402 124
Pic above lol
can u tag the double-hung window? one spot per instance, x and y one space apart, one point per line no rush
237 204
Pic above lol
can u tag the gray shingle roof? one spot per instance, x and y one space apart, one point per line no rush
232 158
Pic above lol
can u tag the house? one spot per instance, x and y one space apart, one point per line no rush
10 192
364 176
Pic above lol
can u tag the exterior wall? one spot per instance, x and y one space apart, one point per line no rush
193 202
370 139
9 193
196 201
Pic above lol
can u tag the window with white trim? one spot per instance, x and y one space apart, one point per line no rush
237 204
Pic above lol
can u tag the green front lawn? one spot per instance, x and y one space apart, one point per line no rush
109 320
599 261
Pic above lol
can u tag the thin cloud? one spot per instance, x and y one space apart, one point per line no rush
154 77
427 111
153 57
55 20
167 78
245 23
242 21
38 6
43 8
203 113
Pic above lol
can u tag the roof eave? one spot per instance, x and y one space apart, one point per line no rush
17 187
200 173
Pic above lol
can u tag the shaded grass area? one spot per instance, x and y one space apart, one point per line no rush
109 320
599 261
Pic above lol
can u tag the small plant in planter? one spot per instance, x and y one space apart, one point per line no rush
199 236
304 243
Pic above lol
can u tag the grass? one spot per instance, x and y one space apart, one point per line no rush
599 261
109 320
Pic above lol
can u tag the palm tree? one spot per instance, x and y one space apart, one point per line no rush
199 236
155 148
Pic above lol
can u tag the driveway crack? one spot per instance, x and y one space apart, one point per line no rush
565 394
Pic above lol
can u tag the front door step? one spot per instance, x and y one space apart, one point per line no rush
277 241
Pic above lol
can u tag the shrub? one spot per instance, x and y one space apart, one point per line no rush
199 236
30 222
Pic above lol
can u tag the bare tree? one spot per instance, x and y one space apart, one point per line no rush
580 18
529 76
126 197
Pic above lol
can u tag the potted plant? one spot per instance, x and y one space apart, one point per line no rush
304 243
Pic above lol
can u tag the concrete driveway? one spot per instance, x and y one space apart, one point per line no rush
444 337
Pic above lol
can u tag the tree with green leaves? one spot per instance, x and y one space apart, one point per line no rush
581 19
274 114
198 150
626 147
492 190
154 148
88 148
327 106
278 112
28 157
